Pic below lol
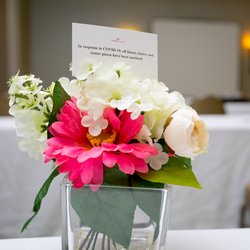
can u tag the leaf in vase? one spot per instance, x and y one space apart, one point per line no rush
114 177
109 211
148 200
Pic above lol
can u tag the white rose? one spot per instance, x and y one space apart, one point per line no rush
186 133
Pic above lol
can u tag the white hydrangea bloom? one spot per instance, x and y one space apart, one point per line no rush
28 126
118 88
31 106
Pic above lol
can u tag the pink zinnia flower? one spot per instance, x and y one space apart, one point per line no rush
84 156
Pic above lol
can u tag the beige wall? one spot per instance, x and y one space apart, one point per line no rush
2 46
46 26
51 24
14 44
3 66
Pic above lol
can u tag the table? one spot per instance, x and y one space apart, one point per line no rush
237 107
230 239
223 172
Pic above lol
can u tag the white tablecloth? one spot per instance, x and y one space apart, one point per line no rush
235 239
223 172
20 179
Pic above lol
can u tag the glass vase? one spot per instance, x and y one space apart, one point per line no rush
114 217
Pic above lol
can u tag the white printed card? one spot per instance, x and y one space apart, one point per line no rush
111 45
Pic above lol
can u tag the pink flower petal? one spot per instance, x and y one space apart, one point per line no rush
109 147
78 183
92 153
111 116
129 128
87 171
61 142
139 164
125 164
109 159
141 167
143 150
72 152
125 148
97 175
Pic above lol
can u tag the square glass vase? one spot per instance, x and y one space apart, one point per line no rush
114 217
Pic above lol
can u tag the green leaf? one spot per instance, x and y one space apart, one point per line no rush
59 97
137 181
174 172
108 211
114 177
185 161
41 194
148 200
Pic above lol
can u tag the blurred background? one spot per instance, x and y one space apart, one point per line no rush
35 36
204 52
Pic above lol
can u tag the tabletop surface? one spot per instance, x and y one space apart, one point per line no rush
220 239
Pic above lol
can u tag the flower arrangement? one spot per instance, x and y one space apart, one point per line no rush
104 120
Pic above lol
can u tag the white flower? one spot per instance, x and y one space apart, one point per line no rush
157 161
31 107
186 133
165 105
95 126
73 87
122 69
20 86
87 67
28 127
137 108
125 102
144 135
119 89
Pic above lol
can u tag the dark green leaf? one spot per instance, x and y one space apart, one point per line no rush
41 194
59 97
185 161
137 181
114 177
174 172
108 211
149 200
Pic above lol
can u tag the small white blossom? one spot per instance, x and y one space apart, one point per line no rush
95 126
87 67
157 161
73 87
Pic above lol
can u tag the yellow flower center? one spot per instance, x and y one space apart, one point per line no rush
107 135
